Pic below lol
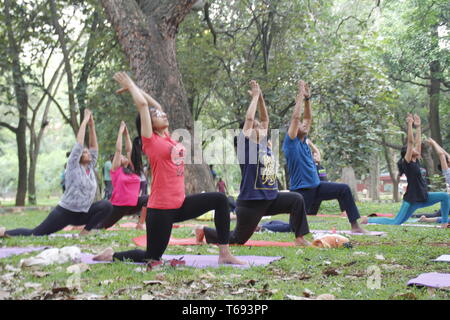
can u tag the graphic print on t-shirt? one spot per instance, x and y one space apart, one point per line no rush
177 153
266 177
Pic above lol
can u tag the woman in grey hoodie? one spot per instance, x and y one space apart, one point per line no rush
77 205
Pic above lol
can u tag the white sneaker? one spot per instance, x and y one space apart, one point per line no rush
2 232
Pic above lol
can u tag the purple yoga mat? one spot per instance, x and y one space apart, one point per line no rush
7 252
201 261
432 279
348 232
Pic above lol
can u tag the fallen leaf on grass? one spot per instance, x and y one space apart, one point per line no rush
292 297
304 276
78 268
331 272
4 295
153 282
251 282
32 285
380 257
307 293
406 296
40 274
326 296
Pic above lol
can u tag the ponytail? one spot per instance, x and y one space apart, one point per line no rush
401 162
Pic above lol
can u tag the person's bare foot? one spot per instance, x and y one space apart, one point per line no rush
225 256
356 227
105 255
422 219
2 232
359 230
302 242
364 220
140 226
444 225
199 234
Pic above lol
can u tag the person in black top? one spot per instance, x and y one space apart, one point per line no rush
259 195
416 195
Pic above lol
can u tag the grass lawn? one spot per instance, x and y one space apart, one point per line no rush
345 273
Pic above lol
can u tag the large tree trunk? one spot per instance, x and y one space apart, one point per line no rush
147 33
348 177
22 106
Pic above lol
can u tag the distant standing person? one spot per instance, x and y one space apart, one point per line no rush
221 186
107 178
213 173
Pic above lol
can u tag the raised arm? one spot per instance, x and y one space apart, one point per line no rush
128 145
418 137
263 114
118 154
82 130
307 115
410 141
139 100
255 92
442 154
297 114
93 143
315 150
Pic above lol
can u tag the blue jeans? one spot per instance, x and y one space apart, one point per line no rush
408 208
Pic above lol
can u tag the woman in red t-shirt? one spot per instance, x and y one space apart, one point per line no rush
167 203
126 181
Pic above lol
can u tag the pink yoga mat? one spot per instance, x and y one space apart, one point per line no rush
142 242
432 279
202 261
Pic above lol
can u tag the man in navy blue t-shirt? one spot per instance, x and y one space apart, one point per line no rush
304 178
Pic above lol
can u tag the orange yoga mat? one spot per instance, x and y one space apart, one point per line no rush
142 242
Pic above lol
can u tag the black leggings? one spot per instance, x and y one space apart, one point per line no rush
159 224
60 218
250 212
119 212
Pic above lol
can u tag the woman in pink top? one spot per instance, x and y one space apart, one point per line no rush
168 203
125 177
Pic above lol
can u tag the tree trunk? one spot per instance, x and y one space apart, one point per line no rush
392 168
433 116
374 185
22 106
348 177
147 33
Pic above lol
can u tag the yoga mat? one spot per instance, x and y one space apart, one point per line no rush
12 251
443 258
406 225
432 279
349 232
201 261
375 214
142 242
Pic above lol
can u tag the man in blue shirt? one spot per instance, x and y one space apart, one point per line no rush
304 178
